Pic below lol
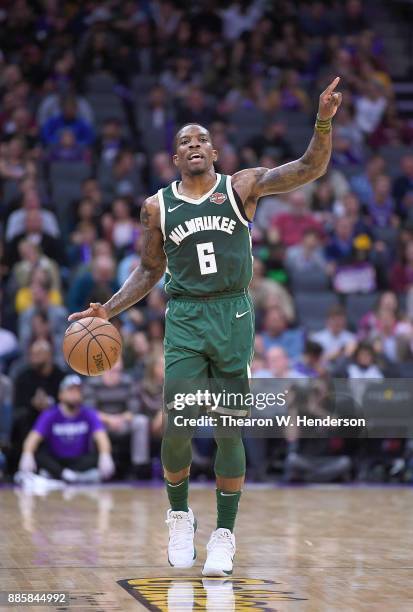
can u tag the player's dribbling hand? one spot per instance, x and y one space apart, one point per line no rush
95 310
330 100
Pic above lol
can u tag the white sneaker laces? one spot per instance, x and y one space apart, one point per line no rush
181 530
221 541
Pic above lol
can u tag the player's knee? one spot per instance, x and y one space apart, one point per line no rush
176 453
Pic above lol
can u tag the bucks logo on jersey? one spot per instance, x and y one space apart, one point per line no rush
207 241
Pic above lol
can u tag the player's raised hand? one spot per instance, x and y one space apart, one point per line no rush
330 100
95 310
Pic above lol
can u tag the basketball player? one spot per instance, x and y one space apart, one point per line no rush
197 230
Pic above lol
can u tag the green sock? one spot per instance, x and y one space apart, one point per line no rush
178 494
227 508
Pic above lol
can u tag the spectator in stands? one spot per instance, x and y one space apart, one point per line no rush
276 333
80 251
180 76
114 396
292 96
361 369
349 207
150 393
363 363
28 295
292 225
307 257
157 122
14 163
340 246
97 54
30 259
119 226
51 105
315 20
370 323
363 183
86 212
110 141
92 190
6 410
163 171
323 199
381 207
272 142
136 353
96 284
67 149
36 388
278 363
310 364
261 289
9 347
354 20
63 437
401 275
40 293
124 178
348 146
240 17
68 119
317 459
195 108
391 337
335 339
6 407
276 366
370 107
403 184
33 232
155 304
30 201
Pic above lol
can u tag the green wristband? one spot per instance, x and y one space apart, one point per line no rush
323 125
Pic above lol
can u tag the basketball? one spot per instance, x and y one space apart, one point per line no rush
92 346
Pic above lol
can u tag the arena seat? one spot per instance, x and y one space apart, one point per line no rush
313 280
312 308
357 305
100 82
69 171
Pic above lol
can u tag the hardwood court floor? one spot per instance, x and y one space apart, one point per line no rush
321 549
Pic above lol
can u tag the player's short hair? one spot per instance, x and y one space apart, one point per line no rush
185 126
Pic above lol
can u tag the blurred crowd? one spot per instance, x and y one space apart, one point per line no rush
91 96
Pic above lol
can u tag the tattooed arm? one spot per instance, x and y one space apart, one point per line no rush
145 276
254 183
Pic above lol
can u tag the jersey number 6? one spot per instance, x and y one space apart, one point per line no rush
206 258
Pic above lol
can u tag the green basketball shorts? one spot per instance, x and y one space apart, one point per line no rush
209 347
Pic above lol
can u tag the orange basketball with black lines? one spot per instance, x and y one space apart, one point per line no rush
91 346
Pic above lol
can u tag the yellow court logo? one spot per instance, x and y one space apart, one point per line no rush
195 594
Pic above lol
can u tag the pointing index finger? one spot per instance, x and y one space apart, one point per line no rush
332 85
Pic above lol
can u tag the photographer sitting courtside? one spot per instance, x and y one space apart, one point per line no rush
67 432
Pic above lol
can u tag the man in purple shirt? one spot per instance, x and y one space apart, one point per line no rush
61 441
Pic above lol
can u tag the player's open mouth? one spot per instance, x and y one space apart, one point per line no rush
195 156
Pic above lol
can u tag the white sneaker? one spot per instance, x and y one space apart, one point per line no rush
181 549
69 475
221 551
38 485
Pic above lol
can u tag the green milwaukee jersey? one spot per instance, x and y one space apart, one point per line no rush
207 242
